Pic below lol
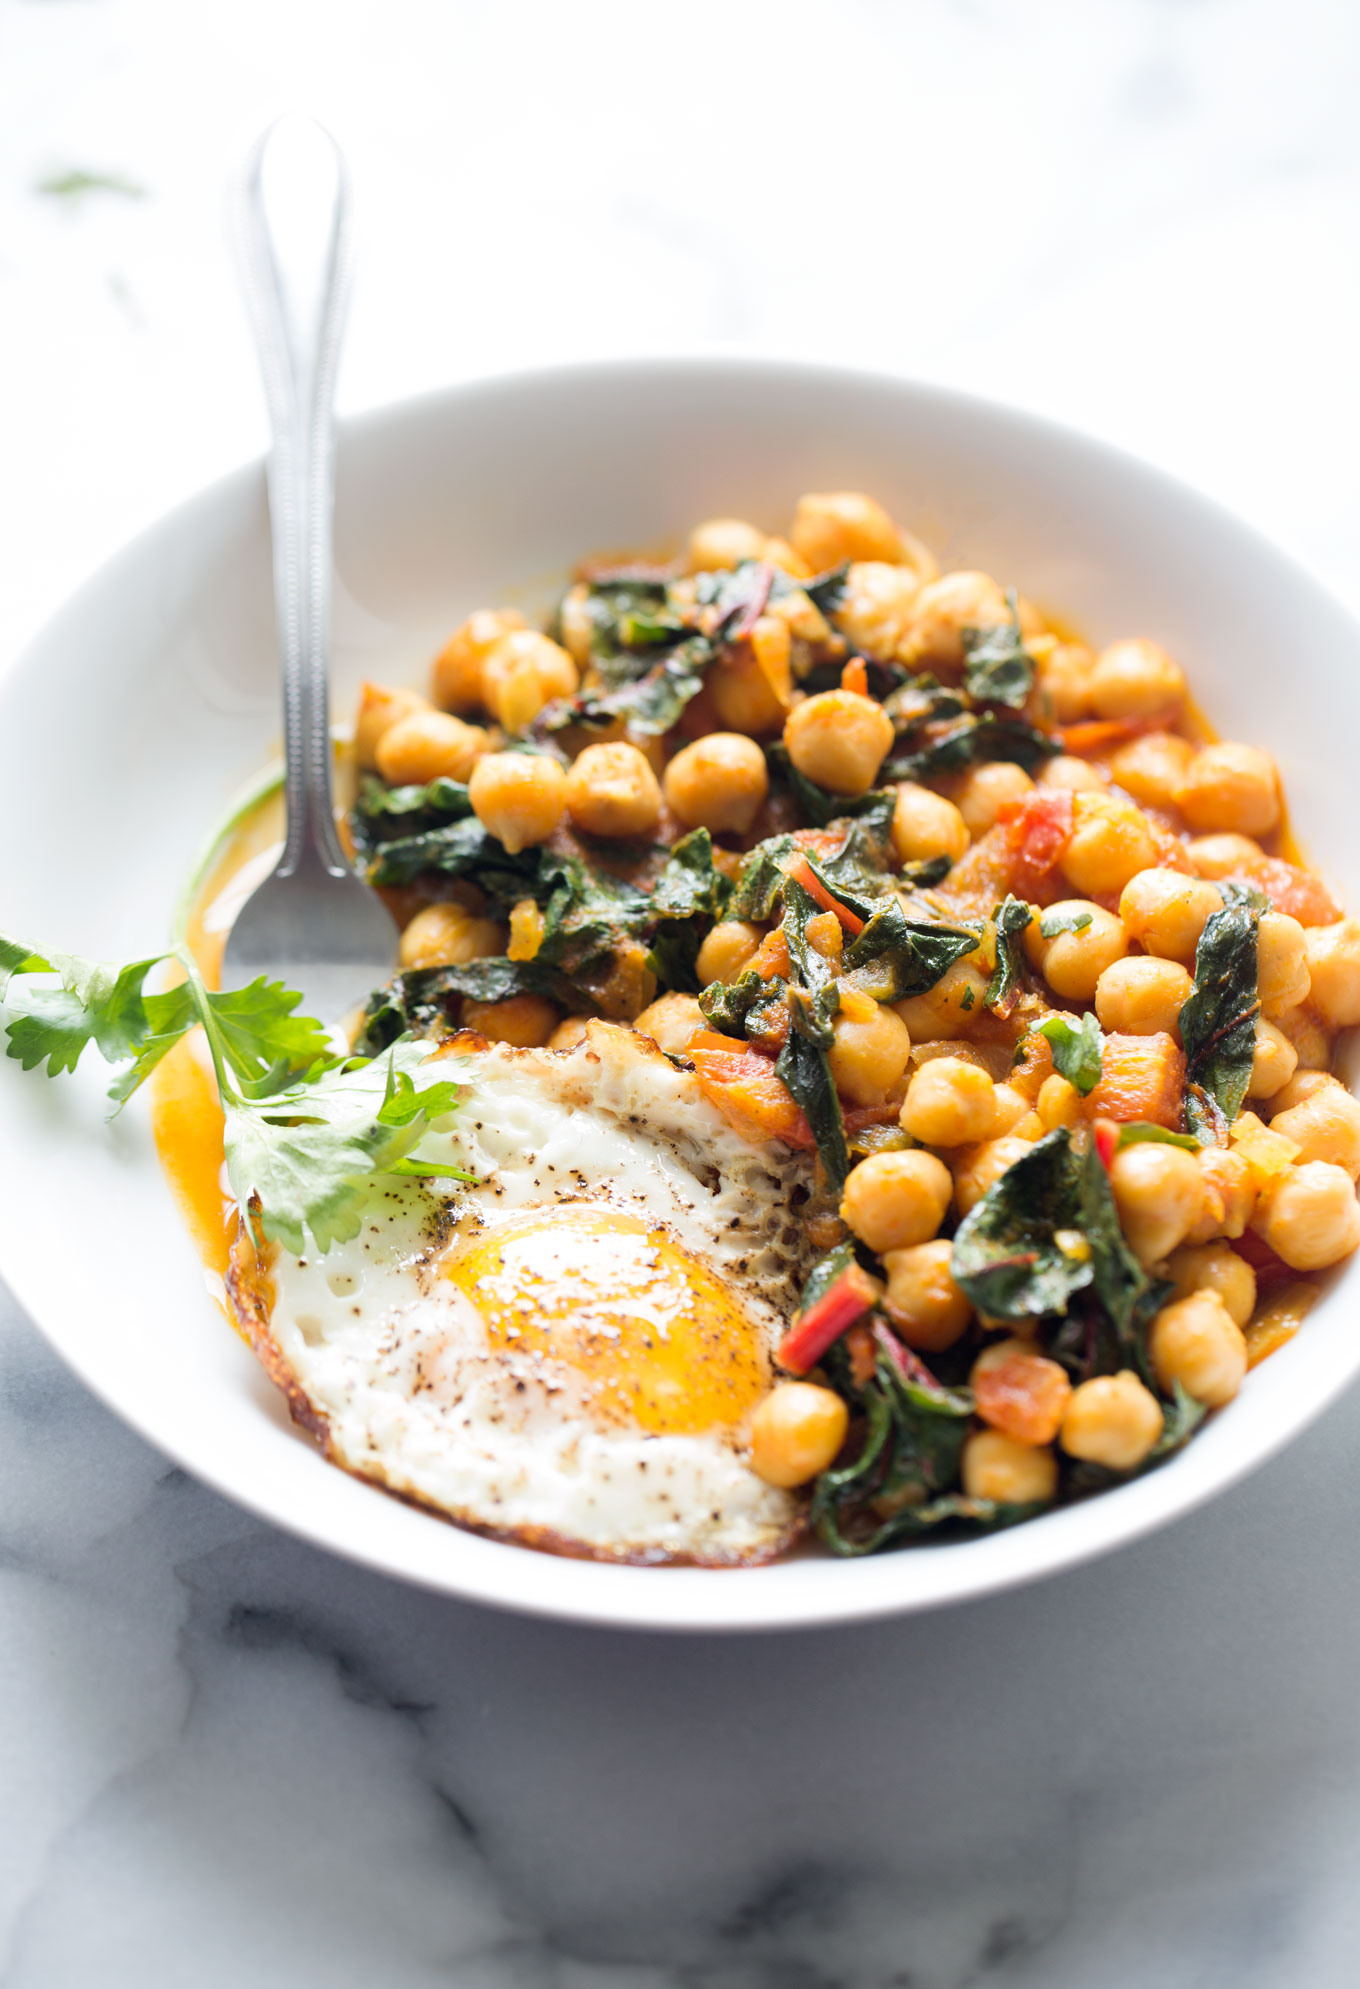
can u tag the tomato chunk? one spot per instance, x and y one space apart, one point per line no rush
1022 1394
743 1085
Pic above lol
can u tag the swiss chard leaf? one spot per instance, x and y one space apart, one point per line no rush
760 885
804 1068
424 1002
1008 976
1046 1231
1218 1021
827 590
895 957
1077 1050
913 1436
969 741
383 814
998 669
460 848
1020 1252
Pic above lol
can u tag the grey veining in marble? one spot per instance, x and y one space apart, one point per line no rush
227 1761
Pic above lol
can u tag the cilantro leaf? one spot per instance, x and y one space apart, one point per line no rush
297 1157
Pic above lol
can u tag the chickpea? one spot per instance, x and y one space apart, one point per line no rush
719 783
997 1467
670 1021
796 1433
877 607
926 825
446 936
1135 679
982 793
947 607
521 673
949 1103
1218 1268
611 791
951 1007
1229 1195
1009 1108
1310 1218
1302 1085
830 526
1311 1042
1159 1193
569 1034
428 745
1166 912
525 1021
1334 972
379 710
1223 856
839 739
727 951
894 1200
978 1168
1062 682
1112 1420
1273 1062
1282 976
922 1300
1110 843
1197 1342
1077 776
1143 997
722 543
518 797
456 676
870 1049
1231 787
1020 1391
1324 1123
1058 1103
753 682
1073 962
1153 769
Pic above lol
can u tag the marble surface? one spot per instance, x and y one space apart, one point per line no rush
226 1759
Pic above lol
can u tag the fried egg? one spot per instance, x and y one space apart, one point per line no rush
567 1350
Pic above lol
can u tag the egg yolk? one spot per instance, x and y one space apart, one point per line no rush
654 1331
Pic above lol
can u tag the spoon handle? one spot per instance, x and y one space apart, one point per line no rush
293 239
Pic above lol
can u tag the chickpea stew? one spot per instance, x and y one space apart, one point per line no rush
979 919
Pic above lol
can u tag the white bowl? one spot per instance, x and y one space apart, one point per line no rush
134 717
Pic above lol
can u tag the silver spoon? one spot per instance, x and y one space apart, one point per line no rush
313 924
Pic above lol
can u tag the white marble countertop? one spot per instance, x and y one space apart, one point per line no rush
227 1760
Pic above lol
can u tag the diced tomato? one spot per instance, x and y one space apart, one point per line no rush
802 873
1023 1394
1142 1077
1039 827
813 1331
742 1083
1290 889
771 958
854 677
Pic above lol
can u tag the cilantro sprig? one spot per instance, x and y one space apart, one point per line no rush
306 1129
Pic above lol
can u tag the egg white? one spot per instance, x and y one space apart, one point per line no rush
392 1366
